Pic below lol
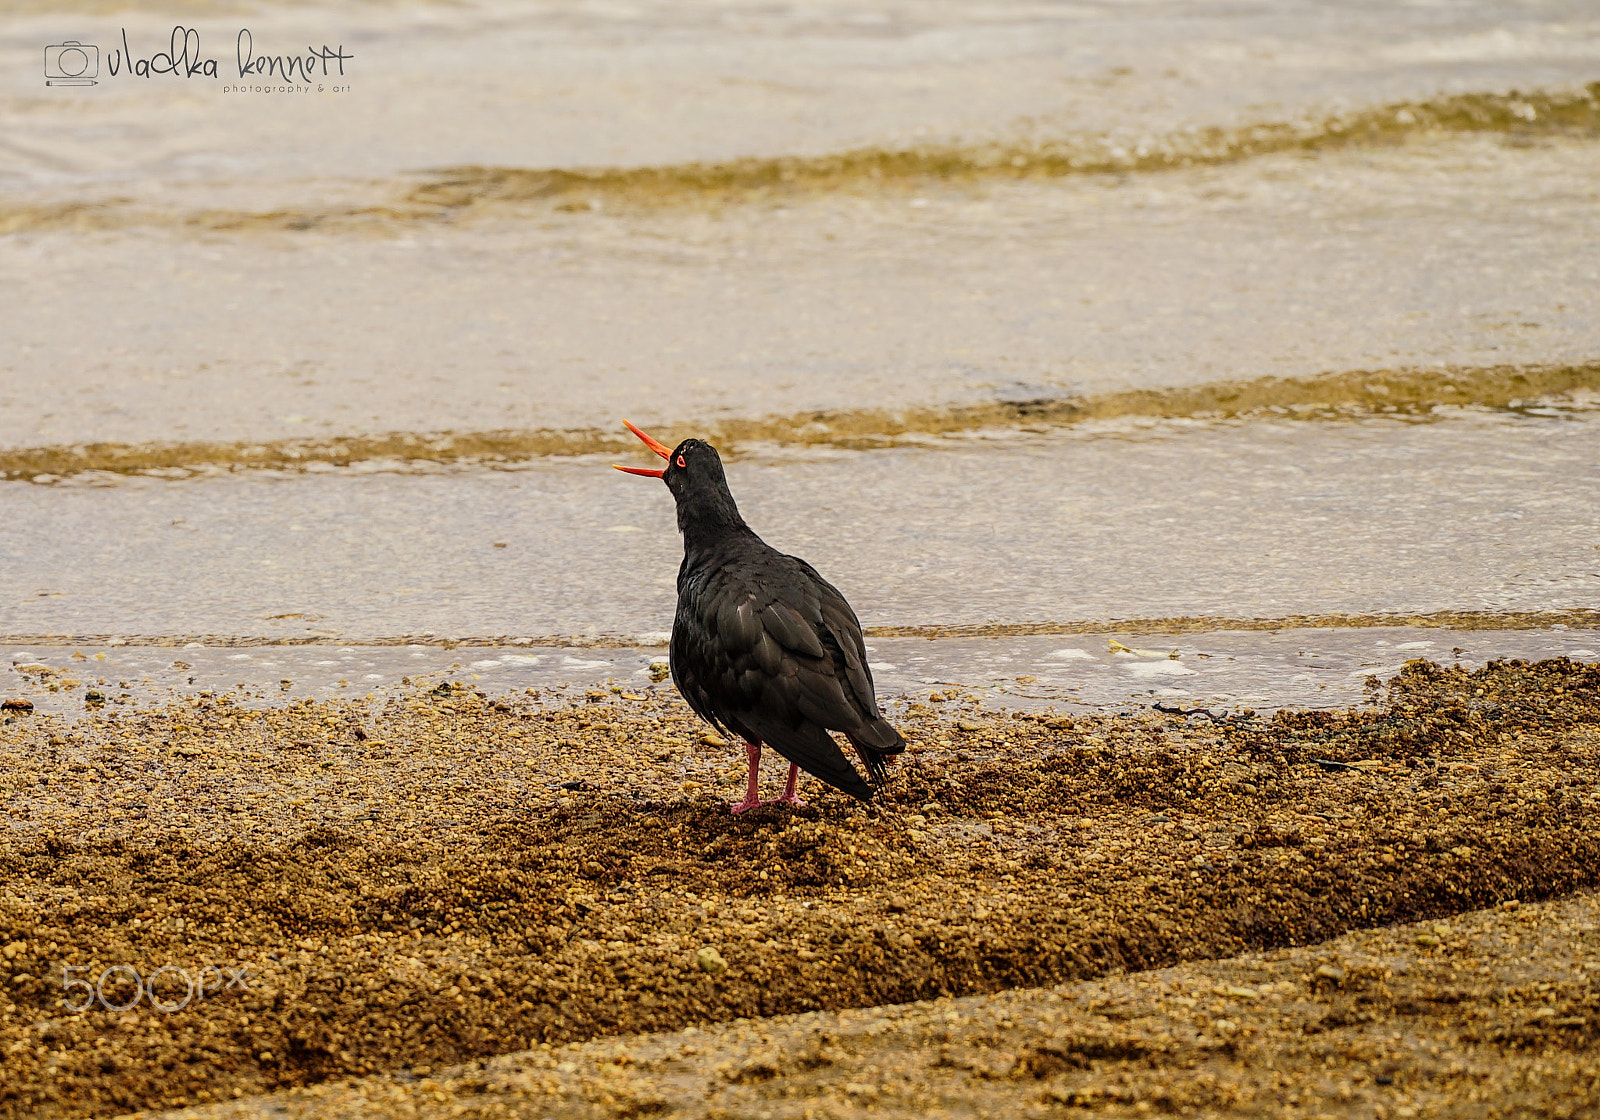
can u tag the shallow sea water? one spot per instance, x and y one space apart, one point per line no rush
1481 512
520 223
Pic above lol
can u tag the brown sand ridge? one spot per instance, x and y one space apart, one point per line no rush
1485 1015
412 888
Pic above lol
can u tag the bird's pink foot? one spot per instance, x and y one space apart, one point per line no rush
752 792
789 796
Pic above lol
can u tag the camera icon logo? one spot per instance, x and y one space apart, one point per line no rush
71 64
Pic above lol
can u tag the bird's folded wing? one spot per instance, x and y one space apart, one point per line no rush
795 617
695 669
840 621
766 658
785 625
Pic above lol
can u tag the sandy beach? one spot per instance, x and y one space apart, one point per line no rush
404 895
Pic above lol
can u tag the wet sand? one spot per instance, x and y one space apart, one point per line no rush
456 877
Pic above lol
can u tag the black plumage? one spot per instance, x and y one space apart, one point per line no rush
762 646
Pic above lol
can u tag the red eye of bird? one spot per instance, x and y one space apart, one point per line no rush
681 463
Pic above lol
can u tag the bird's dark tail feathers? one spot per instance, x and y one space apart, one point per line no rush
876 743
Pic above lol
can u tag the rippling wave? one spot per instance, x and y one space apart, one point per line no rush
1575 113
1415 393
452 193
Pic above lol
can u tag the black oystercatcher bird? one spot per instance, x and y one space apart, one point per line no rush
762 646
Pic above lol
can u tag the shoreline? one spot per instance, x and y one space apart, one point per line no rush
1555 618
1085 671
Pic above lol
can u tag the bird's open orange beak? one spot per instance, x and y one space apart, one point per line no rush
657 446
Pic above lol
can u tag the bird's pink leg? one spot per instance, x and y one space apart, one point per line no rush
790 797
752 793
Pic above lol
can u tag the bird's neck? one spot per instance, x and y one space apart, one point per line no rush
708 523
